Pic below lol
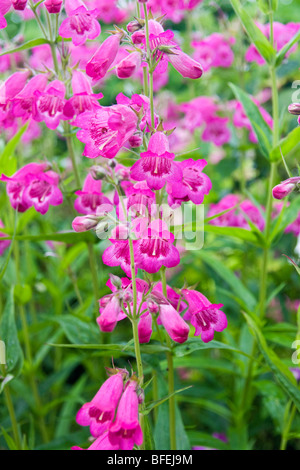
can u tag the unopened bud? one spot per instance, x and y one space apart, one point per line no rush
294 109
134 26
84 223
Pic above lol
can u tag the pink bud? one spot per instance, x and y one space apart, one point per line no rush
128 65
185 65
145 328
19 4
109 316
104 57
294 109
176 327
84 223
136 140
285 187
133 26
53 6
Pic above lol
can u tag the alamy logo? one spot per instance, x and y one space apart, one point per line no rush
2 353
296 354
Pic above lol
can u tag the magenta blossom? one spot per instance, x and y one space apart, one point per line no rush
106 130
185 65
216 131
4 8
156 166
203 315
83 98
174 324
50 104
214 51
19 4
155 249
118 254
90 197
53 6
126 431
109 315
127 67
194 184
24 103
33 185
81 23
103 58
9 89
145 327
100 411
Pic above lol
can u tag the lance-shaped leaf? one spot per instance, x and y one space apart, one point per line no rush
286 145
255 35
260 127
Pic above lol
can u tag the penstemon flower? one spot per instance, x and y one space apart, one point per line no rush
81 23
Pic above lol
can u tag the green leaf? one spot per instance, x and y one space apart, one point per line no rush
27 45
234 232
156 403
286 145
260 127
66 237
78 331
161 431
281 372
287 217
9 334
6 165
255 35
230 278
195 344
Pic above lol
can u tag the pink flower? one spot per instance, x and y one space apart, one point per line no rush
50 104
214 51
109 315
9 89
32 185
126 431
174 324
91 197
118 254
101 61
285 187
194 184
24 104
185 65
53 6
19 4
83 98
156 166
204 316
81 24
4 8
155 249
294 227
216 131
100 411
3 243
145 327
84 223
106 130
127 67
141 199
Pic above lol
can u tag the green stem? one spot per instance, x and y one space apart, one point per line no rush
94 274
149 65
12 415
287 427
171 388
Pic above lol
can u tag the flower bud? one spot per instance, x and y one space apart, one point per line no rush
84 223
19 4
136 140
53 6
285 187
134 26
294 109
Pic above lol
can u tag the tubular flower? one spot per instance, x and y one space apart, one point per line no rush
24 103
203 315
194 184
50 104
81 24
155 249
103 58
126 431
156 166
83 98
106 130
53 6
32 185
285 187
174 324
4 8
100 411
90 197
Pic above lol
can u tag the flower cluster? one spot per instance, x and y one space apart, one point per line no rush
113 413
